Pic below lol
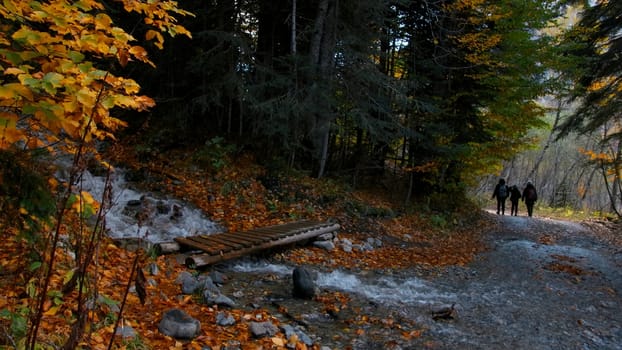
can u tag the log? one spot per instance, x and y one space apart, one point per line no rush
167 248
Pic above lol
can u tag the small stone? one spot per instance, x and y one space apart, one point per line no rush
224 319
153 269
178 324
126 331
212 297
183 276
263 329
290 331
326 245
206 283
189 286
329 236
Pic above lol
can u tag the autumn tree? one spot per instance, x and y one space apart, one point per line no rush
59 92
598 91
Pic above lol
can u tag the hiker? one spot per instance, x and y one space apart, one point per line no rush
515 196
530 196
501 193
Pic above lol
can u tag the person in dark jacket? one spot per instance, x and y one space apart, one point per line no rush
501 192
515 196
530 196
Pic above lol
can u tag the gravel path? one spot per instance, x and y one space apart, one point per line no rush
545 284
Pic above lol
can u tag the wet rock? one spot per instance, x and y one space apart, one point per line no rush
304 287
263 329
224 319
134 203
444 312
163 208
177 213
326 245
178 324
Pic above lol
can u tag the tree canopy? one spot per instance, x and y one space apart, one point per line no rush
441 92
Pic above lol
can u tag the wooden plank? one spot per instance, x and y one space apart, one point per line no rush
233 239
216 241
277 232
228 237
210 249
199 260
254 237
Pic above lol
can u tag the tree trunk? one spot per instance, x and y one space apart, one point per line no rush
322 58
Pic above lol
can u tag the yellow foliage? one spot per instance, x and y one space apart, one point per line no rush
43 53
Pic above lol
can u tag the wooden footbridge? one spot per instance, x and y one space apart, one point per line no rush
223 246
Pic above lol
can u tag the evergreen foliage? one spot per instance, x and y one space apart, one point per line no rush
599 85
436 89
26 200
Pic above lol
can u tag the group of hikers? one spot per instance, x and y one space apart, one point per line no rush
503 191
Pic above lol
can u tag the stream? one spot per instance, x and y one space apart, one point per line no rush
526 292
163 218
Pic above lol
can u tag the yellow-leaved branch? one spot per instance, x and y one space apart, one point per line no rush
53 86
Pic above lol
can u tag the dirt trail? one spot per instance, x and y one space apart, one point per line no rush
544 284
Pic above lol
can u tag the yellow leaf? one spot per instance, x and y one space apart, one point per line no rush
138 52
53 183
70 126
278 341
151 34
13 70
52 311
86 98
14 90
102 21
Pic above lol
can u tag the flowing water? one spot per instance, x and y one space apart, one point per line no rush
162 218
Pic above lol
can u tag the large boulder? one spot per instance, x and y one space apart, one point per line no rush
304 286
178 324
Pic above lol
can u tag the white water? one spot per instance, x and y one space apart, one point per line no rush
167 218
385 290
